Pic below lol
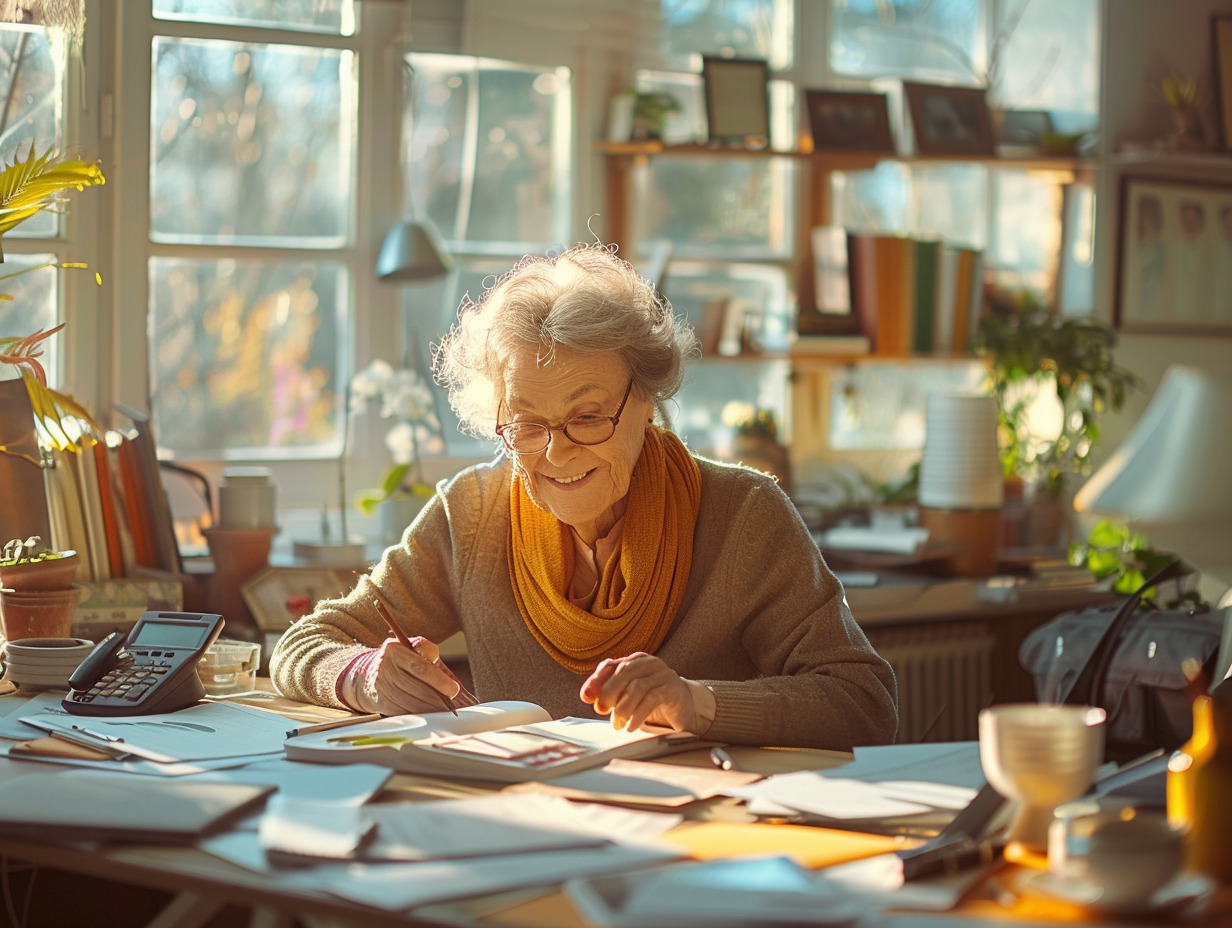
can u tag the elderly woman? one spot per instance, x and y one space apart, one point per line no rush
597 565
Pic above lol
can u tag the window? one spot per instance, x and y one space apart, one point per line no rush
488 160
253 146
32 113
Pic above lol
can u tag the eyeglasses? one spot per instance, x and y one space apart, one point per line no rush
587 429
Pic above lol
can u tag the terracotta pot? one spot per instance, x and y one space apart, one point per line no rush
764 454
55 573
38 614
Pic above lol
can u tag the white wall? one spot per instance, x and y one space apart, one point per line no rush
1143 41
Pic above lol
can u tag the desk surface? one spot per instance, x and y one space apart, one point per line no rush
202 879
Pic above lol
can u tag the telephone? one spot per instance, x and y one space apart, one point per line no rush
152 669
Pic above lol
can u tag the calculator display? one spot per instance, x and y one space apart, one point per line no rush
168 635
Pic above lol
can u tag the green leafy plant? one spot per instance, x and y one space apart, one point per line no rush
27 186
1031 351
28 551
1114 551
749 420
650 112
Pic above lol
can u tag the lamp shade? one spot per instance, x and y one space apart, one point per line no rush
412 250
1170 476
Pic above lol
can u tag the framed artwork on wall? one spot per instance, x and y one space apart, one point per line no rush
849 121
949 120
737 100
1174 260
1221 35
278 596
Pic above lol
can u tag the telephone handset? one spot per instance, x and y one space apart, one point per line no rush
152 669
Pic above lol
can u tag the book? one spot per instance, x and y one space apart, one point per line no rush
95 804
927 252
507 742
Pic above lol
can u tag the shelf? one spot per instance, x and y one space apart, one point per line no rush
832 160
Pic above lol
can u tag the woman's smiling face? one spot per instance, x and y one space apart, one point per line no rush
583 486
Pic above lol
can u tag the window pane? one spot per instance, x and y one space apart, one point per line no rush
246 356
1026 231
924 39
732 28
336 17
488 149
251 144
33 107
951 202
34 305
1050 61
697 414
701 204
751 299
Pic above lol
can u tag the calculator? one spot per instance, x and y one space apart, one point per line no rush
152 669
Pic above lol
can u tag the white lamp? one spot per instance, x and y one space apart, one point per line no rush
1169 478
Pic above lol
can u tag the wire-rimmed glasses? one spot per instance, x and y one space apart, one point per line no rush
586 429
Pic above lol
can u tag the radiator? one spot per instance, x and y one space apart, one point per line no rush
944 676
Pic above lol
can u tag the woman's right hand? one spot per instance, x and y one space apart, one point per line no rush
395 680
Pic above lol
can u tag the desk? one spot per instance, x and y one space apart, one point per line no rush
203 885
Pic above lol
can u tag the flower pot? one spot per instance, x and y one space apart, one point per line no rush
38 614
396 513
48 573
764 454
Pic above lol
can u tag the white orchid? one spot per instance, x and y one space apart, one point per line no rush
404 396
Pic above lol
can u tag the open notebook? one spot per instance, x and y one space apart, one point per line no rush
501 741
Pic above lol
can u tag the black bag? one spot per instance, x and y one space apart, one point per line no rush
1128 661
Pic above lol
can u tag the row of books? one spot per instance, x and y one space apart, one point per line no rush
897 295
106 502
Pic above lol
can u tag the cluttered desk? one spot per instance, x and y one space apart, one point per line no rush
497 815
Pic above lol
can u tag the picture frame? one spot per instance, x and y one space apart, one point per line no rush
737 92
1174 257
842 120
1221 37
949 120
1023 127
277 596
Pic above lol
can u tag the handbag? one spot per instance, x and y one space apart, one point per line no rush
1132 662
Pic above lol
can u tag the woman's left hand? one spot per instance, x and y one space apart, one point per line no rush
640 689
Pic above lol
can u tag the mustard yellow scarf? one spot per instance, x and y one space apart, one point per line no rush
656 551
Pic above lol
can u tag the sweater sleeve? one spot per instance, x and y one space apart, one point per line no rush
820 683
416 578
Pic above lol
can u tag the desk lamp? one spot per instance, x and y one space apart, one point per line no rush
1169 478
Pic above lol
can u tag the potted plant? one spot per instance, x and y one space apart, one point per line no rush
37 595
755 440
650 111
1053 377
32 415
405 398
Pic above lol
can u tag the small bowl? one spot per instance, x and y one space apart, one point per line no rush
47 574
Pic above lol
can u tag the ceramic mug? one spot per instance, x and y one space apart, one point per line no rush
1126 854
246 498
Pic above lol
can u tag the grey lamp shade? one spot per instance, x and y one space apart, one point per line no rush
412 250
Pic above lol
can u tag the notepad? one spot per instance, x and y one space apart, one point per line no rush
504 742
91 804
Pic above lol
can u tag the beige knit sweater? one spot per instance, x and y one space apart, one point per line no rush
763 623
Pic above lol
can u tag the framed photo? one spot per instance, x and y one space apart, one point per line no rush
949 120
1174 261
1023 127
737 100
1221 34
278 596
842 121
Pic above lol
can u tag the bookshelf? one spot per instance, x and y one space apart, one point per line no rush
620 159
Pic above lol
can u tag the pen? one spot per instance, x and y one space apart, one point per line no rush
333 723
406 642
722 759
90 743
97 734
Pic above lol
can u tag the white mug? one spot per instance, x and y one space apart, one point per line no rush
246 498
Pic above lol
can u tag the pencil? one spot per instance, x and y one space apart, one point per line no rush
332 724
393 627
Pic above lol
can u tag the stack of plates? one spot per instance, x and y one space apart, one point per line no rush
44 663
961 468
